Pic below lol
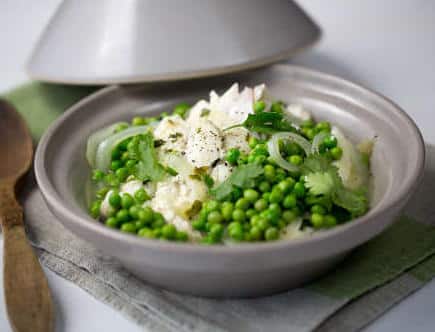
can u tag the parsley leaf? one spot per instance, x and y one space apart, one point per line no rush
354 201
320 183
243 177
148 167
266 122
322 180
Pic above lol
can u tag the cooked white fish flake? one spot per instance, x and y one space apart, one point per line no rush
173 131
204 144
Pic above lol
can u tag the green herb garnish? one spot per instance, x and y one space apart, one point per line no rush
243 177
266 122
323 180
148 167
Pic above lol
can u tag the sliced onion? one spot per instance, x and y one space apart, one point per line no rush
317 140
96 138
104 150
273 148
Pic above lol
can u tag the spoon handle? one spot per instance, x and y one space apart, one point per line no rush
28 300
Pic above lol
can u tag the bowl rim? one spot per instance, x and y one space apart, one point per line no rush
55 203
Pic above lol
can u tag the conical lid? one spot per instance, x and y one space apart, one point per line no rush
112 41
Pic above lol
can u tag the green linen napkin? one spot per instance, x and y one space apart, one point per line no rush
372 279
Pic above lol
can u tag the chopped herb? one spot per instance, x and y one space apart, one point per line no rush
243 177
204 112
158 143
323 180
208 180
148 168
266 122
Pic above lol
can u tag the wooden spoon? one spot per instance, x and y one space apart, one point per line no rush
28 300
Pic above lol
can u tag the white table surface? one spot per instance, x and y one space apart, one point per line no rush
387 45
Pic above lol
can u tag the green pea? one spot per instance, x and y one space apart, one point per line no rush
259 106
212 205
330 142
216 232
269 172
272 216
134 211
129 164
330 220
266 196
264 186
250 195
252 142
146 215
227 210
125 156
126 201
251 158
182 236
336 152
141 195
243 159
275 208
307 123
281 175
317 220
157 233
145 232
236 233
299 190
276 195
232 155
111 180
139 224
259 159
122 216
199 224
261 204
112 222
282 224
310 133
97 175
121 173
262 224
157 216
137 121
242 203
255 233
295 159
215 217
323 126
121 127
288 216
318 209
239 215
250 213
234 224
271 234
128 227
277 107
115 164
290 201
286 185
254 219
115 200
169 231
181 109
158 223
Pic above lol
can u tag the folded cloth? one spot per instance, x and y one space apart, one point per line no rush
372 279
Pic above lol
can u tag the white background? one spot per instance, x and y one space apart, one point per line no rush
387 45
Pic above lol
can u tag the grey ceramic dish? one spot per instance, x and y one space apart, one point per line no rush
148 41
247 269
